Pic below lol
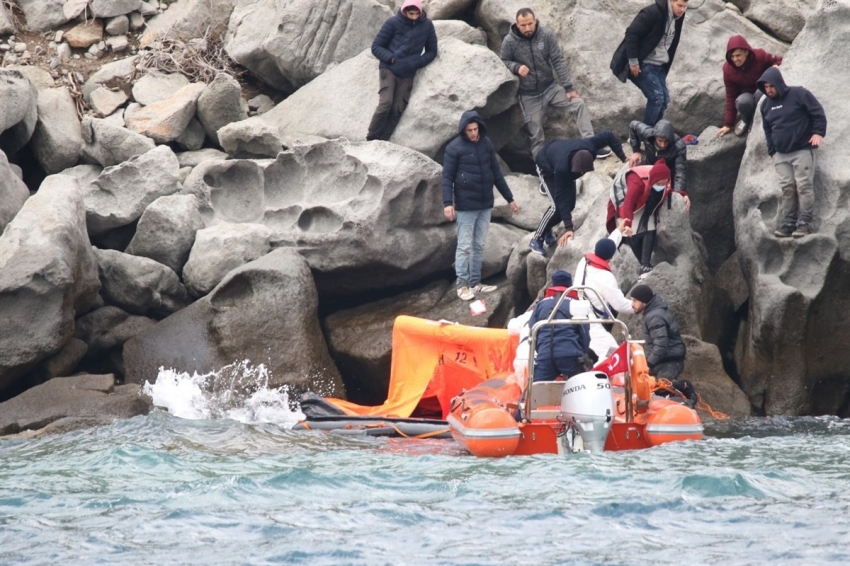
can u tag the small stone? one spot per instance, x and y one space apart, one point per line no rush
84 35
63 51
58 37
105 101
102 46
119 25
20 47
118 43
148 9
76 56
137 20
4 47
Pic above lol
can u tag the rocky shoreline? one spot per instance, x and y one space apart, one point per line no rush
160 209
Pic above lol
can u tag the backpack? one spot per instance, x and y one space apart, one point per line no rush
618 188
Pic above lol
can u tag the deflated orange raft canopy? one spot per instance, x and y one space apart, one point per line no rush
434 361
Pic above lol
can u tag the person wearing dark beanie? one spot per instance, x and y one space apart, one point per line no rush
664 347
594 271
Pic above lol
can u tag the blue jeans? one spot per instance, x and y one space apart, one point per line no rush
652 82
471 234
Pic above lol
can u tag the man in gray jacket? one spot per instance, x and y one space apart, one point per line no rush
531 52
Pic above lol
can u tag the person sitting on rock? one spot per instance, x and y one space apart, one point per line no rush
561 163
794 124
594 271
743 67
640 209
531 52
399 46
663 345
561 350
470 169
661 142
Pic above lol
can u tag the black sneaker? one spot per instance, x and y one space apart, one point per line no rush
537 246
645 270
784 232
603 153
549 239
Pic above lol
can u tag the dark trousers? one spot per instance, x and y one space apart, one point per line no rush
643 245
552 215
547 369
393 96
669 369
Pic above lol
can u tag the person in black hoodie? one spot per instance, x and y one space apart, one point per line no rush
646 53
470 170
561 163
794 125
399 46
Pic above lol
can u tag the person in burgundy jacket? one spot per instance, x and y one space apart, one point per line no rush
742 69
640 210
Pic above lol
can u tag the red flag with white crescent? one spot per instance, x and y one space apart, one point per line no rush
615 363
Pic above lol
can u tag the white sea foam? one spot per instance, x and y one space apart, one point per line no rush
237 391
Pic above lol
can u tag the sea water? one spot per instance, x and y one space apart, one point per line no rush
220 478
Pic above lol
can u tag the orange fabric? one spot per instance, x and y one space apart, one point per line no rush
437 359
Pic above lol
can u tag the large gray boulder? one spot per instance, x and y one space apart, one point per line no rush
436 103
288 44
166 120
460 30
219 249
220 104
139 285
69 403
188 19
109 144
57 141
364 215
782 18
7 24
112 8
19 112
155 86
48 274
166 231
109 327
263 313
120 194
798 288
360 339
13 192
446 9
43 15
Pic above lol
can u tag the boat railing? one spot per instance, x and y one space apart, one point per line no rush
585 319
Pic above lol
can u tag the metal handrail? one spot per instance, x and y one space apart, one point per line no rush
609 319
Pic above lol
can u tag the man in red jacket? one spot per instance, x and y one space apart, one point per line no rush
743 67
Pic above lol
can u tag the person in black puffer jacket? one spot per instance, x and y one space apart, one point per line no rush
399 46
470 170
665 350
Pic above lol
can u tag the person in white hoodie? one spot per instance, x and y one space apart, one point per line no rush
593 270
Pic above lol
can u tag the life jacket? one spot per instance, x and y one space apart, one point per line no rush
556 290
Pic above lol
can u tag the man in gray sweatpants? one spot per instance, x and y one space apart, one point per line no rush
531 52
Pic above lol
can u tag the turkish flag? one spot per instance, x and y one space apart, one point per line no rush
615 363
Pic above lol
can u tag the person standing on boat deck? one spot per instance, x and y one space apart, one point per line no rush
470 170
594 271
743 66
794 124
560 349
531 51
647 51
562 163
399 46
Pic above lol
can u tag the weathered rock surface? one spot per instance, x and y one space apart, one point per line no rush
13 192
121 193
188 19
108 327
155 86
165 121
85 34
460 30
57 140
48 274
109 144
139 285
360 339
166 231
69 403
446 9
7 25
111 8
220 104
289 44
783 18
436 103
794 345
19 112
336 203
43 15
265 312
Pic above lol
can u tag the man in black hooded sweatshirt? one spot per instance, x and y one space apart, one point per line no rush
794 125
562 163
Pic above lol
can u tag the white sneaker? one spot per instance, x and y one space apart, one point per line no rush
741 128
481 288
465 294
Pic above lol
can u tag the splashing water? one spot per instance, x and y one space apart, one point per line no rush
238 391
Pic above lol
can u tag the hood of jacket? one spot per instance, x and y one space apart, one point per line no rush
774 77
412 4
471 116
664 129
656 303
515 31
738 42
